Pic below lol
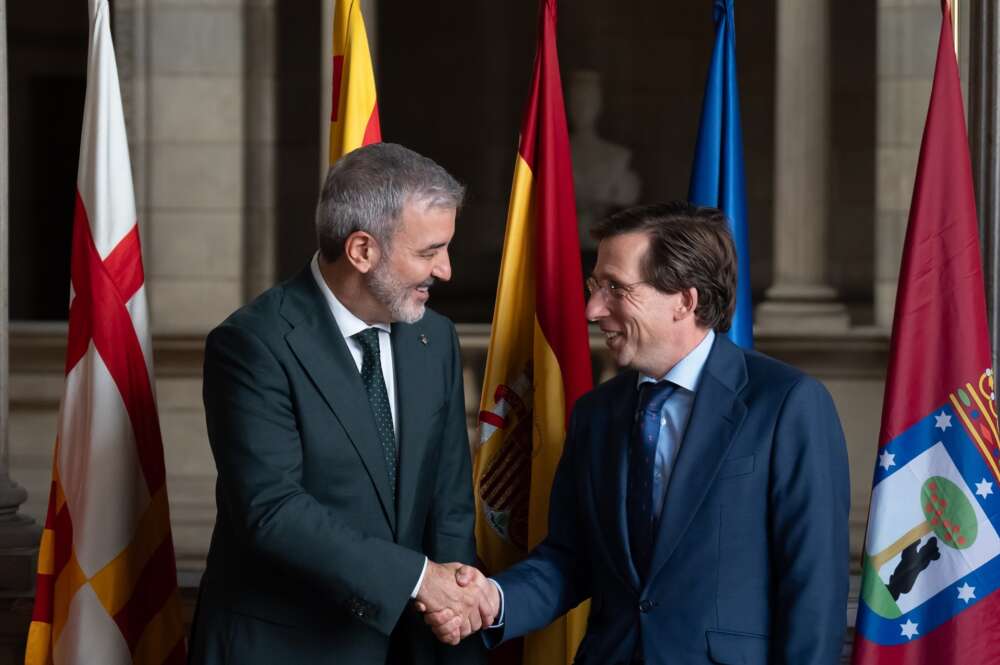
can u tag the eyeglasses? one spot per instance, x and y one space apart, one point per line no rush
610 288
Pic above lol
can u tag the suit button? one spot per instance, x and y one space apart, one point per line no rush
646 606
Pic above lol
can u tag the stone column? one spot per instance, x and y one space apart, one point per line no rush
907 39
800 300
193 77
18 534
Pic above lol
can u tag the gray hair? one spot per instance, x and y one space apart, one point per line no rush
367 189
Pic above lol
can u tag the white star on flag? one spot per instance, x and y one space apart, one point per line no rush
984 488
966 592
886 459
942 421
909 629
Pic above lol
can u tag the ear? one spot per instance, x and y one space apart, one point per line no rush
687 305
362 251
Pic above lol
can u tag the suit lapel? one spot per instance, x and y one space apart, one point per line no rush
321 350
413 404
716 416
609 473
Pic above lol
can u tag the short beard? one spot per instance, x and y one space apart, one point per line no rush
392 293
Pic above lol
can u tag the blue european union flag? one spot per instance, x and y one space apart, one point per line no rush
717 178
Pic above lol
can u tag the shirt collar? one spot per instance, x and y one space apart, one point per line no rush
348 323
687 372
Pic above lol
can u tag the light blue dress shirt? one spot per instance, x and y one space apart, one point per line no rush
675 413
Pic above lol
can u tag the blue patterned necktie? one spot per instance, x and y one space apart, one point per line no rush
642 464
378 398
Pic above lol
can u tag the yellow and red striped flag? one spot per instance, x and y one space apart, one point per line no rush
539 355
106 588
354 111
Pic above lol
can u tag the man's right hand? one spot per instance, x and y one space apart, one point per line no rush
456 600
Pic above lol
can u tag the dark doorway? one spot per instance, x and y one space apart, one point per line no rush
47 45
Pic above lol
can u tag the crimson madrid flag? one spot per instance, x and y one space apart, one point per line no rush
930 570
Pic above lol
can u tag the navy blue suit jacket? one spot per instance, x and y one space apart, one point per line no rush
750 563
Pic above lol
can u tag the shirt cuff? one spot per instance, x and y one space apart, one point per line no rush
498 622
420 580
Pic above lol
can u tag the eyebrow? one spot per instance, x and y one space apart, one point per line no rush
437 245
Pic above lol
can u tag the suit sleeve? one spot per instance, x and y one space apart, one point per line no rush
808 538
554 578
255 442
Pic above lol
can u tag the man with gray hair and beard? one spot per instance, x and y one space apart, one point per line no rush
336 417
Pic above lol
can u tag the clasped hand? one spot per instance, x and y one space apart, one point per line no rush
456 601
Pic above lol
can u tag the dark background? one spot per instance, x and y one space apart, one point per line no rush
453 78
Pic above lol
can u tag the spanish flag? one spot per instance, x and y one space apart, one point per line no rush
354 114
106 590
539 355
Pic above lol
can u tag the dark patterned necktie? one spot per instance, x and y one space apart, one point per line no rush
378 398
642 464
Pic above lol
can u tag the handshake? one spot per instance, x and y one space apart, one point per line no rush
456 601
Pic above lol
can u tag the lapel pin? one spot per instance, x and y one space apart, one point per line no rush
423 340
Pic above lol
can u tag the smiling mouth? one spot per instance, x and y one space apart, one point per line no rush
610 335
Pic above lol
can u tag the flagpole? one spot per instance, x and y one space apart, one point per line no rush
984 141
954 26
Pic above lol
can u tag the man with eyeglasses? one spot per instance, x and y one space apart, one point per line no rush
702 498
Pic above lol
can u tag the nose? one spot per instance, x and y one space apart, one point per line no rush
442 267
596 308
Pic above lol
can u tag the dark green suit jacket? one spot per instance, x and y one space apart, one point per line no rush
310 562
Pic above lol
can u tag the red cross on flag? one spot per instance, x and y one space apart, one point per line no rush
107 582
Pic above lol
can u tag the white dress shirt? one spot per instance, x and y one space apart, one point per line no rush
349 326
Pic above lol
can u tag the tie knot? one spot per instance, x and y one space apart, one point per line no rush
653 395
368 339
